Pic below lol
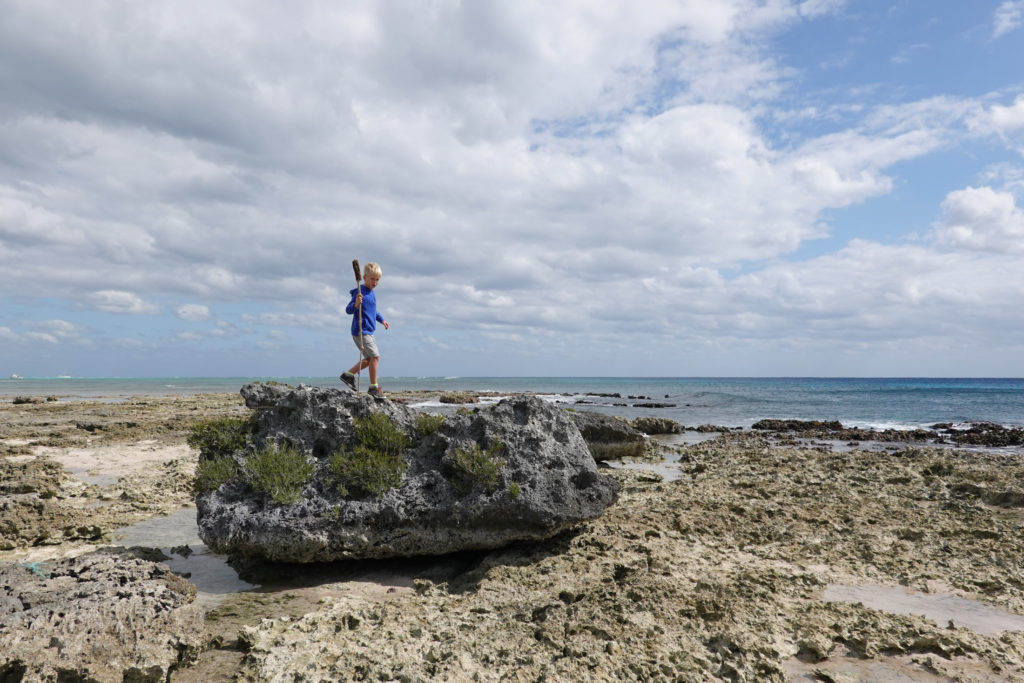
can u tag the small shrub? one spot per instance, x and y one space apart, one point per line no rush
458 397
212 472
279 472
376 464
428 424
475 466
365 472
220 436
514 490
378 433
334 514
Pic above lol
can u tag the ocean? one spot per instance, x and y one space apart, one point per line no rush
878 403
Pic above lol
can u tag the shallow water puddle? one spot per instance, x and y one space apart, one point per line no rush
210 573
685 438
664 469
939 607
668 467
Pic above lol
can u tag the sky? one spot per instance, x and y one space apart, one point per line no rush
622 188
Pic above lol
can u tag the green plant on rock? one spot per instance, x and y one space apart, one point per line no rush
364 472
514 490
377 432
428 424
468 468
220 436
376 464
279 472
333 514
212 472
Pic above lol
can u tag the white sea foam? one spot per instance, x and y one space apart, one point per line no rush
427 404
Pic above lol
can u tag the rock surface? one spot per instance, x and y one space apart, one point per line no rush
607 437
718 576
657 425
546 483
105 616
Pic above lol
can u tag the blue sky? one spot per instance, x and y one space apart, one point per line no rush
690 187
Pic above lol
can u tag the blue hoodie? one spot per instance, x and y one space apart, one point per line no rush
370 315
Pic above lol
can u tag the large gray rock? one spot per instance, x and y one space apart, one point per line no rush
104 616
609 438
547 482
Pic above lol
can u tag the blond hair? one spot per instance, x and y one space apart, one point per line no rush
372 268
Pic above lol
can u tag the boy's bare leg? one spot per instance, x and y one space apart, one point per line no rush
373 362
358 366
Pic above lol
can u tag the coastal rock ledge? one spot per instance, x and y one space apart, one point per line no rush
519 470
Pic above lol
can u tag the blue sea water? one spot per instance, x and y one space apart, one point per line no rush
730 401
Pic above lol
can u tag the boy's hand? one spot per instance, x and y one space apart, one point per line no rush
359 299
385 324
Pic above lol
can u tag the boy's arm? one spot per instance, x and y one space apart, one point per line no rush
383 322
357 298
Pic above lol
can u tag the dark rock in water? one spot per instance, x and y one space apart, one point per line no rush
519 470
657 425
104 616
655 404
834 430
609 438
796 425
708 428
982 434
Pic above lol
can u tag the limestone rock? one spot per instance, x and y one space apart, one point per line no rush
104 616
657 425
607 437
544 481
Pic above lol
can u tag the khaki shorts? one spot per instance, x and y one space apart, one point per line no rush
369 347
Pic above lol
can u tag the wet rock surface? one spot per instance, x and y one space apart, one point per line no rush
104 616
544 481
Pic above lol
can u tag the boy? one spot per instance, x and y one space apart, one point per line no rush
363 326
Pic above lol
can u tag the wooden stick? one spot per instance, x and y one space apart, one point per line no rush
359 314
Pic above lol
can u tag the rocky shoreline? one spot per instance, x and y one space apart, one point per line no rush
729 572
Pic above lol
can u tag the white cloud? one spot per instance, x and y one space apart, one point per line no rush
981 219
44 337
516 167
58 328
224 329
312 320
129 343
192 312
114 301
187 336
999 120
1008 17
